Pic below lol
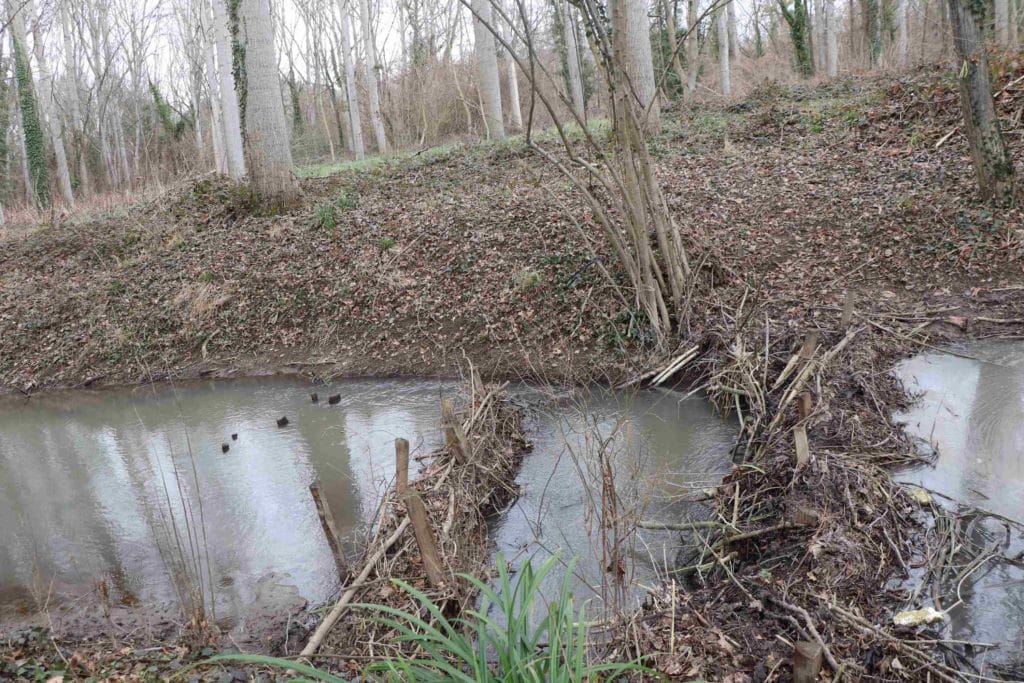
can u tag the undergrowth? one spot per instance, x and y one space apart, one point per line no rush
500 642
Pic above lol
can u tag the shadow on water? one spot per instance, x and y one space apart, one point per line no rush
970 414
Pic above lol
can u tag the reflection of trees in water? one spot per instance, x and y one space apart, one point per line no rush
995 439
993 472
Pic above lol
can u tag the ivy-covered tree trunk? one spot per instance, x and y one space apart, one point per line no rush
47 111
872 10
230 114
268 154
565 38
992 163
800 34
35 142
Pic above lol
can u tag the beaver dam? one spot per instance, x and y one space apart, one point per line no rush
131 467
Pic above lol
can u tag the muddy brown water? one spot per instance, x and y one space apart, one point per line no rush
95 485
969 414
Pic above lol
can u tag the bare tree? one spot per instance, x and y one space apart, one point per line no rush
724 75
573 75
267 151
351 88
992 163
487 69
372 69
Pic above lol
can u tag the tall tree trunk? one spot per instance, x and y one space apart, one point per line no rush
902 32
799 32
672 32
692 48
351 89
872 29
232 118
1001 21
35 142
487 69
268 154
515 112
632 37
733 40
573 77
831 39
48 111
724 75
216 119
372 73
72 78
992 163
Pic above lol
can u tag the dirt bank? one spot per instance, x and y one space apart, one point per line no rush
805 195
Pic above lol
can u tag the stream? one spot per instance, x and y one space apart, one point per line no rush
96 486
970 416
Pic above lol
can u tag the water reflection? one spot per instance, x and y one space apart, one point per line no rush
95 484
98 484
662 450
971 412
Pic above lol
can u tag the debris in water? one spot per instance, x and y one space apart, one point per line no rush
928 615
334 400
314 398
282 421
234 437
920 496
224 448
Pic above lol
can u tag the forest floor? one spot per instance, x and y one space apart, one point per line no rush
806 194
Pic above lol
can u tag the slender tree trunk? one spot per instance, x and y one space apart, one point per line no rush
724 76
632 36
216 120
572 58
487 69
672 32
71 81
268 154
831 39
692 48
351 89
992 163
733 40
902 32
31 126
1001 22
373 69
514 110
232 119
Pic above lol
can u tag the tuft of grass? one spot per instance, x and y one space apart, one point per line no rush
386 244
347 200
500 642
326 216
528 279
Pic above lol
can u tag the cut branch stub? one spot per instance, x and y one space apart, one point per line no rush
425 538
323 511
454 436
401 466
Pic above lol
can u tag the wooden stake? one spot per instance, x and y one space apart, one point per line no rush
323 511
425 538
803 448
401 467
806 661
847 317
454 437
806 405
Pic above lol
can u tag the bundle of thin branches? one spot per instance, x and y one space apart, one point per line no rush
463 482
